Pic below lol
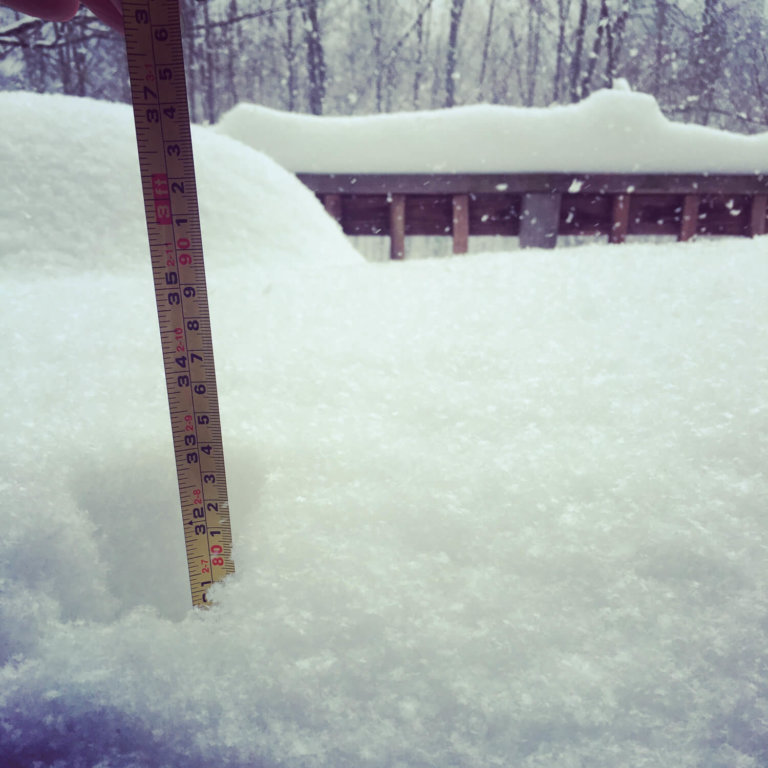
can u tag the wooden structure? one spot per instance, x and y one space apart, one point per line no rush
538 207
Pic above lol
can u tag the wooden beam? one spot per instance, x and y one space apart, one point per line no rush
460 223
332 203
539 220
757 215
689 220
518 183
619 219
397 227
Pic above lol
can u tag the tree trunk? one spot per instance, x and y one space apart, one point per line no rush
563 7
374 24
603 29
616 42
188 10
577 52
315 57
710 56
418 71
532 51
660 47
457 6
486 47
289 49
210 66
232 44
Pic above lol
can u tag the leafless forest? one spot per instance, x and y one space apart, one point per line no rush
706 61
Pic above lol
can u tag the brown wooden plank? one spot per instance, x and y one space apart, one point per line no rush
583 210
365 215
517 183
620 216
495 214
332 203
428 215
397 227
539 220
460 223
588 215
757 224
724 215
689 220
656 214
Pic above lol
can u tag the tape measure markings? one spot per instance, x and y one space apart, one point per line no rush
158 88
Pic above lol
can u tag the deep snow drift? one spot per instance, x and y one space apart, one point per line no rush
612 130
82 159
491 510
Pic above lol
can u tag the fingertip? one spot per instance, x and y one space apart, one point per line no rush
108 11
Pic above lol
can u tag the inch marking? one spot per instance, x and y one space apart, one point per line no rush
164 140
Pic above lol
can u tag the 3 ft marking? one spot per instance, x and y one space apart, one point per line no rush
158 88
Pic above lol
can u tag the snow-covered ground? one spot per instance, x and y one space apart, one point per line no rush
495 510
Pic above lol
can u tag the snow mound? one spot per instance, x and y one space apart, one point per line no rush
72 195
611 131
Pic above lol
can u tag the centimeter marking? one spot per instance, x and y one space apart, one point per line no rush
158 87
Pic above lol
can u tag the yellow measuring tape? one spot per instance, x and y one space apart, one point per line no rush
159 91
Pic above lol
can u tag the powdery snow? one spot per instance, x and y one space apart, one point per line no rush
503 509
612 131
69 166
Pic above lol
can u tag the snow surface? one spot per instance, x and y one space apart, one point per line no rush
612 130
70 165
492 510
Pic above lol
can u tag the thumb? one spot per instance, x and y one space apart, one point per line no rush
50 10
108 11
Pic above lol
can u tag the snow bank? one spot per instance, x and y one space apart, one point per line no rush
70 175
500 510
612 131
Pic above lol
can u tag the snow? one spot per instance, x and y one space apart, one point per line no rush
634 137
501 509
82 158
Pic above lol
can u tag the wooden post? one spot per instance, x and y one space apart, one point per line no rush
460 223
757 216
619 219
332 205
397 227
539 220
689 221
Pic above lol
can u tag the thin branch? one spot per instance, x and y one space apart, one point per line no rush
250 16
22 28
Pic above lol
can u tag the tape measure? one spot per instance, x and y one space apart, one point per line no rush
159 91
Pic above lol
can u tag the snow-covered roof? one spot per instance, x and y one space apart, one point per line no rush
611 131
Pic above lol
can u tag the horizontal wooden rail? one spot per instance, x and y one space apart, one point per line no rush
538 208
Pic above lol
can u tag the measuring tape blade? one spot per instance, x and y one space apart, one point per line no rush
158 87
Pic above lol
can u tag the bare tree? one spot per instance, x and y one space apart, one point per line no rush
486 46
710 53
290 50
603 30
457 7
418 72
535 16
704 60
210 72
232 40
316 70
576 77
563 11
375 24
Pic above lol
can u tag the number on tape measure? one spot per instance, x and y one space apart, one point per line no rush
163 135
